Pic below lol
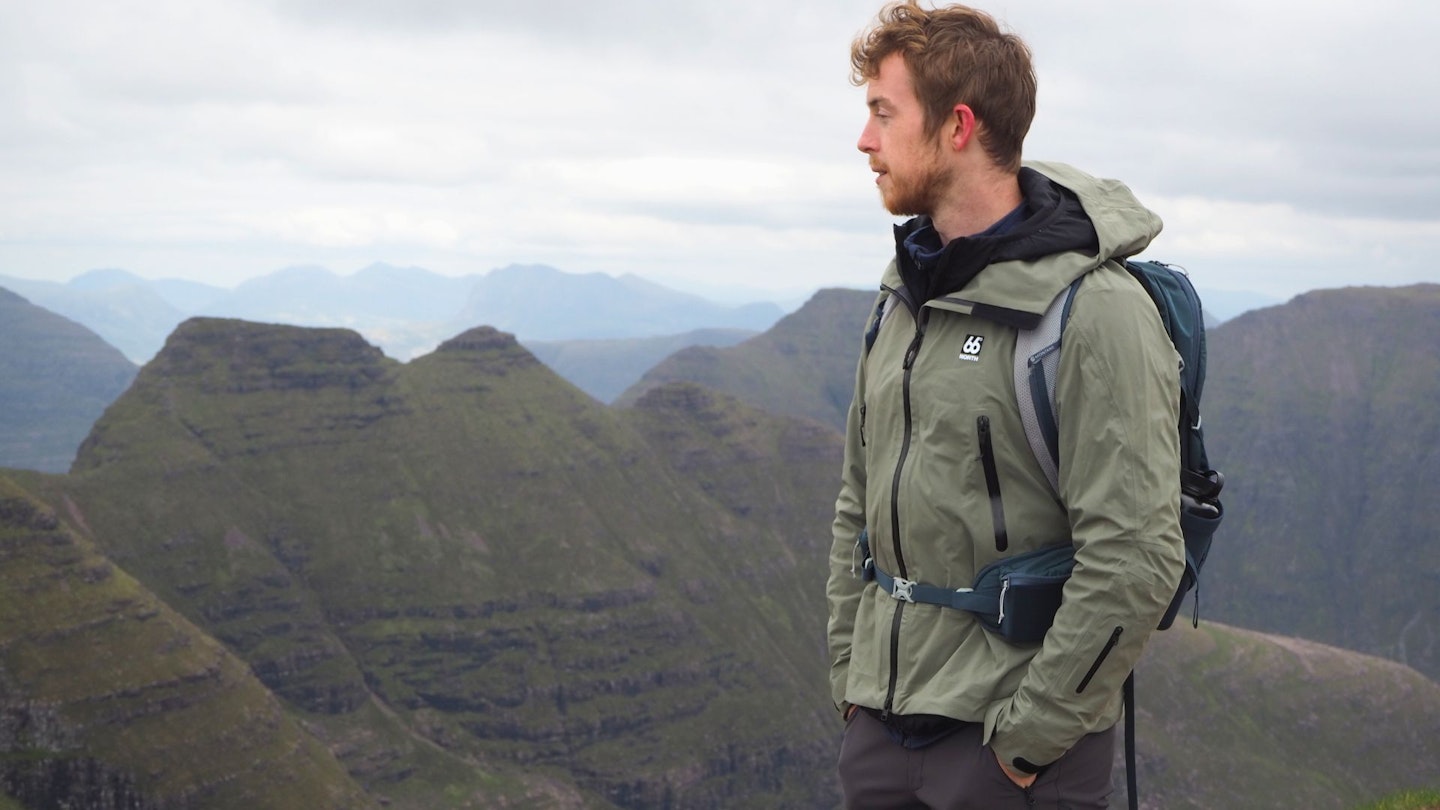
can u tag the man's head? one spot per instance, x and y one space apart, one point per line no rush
956 56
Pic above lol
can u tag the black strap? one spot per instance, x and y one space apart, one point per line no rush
1131 787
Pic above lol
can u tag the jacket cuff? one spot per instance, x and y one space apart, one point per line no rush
1016 760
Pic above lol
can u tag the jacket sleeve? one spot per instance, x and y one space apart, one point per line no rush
1117 397
843 588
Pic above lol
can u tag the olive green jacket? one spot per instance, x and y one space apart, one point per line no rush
938 468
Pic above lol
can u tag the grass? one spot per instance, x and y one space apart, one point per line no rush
1408 800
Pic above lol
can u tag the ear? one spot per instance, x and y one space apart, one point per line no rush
962 126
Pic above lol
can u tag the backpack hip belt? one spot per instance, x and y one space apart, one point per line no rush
1016 597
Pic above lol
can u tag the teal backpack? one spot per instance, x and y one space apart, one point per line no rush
1037 356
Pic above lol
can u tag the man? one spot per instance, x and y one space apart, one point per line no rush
941 712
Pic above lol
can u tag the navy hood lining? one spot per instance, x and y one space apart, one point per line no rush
1056 223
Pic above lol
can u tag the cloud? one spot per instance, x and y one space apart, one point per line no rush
353 227
1327 106
687 141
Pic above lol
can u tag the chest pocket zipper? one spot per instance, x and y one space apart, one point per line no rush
992 483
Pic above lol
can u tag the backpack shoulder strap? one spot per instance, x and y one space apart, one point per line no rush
885 304
1037 360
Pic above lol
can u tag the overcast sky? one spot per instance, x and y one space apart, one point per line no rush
1287 145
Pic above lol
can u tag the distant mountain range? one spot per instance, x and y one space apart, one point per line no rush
605 369
405 310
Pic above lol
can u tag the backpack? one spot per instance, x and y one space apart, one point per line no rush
1037 356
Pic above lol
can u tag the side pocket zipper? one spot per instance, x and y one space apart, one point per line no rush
1104 653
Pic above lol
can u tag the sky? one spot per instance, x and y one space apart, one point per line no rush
705 146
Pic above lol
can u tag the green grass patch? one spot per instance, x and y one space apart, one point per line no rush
1408 800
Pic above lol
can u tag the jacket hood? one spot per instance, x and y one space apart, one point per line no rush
1077 222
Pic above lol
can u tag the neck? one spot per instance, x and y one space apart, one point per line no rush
976 204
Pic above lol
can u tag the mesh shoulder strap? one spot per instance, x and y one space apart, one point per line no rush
1037 360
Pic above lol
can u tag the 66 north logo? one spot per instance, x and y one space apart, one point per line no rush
970 349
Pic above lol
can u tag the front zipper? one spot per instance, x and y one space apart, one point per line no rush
992 483
1104 653
911 352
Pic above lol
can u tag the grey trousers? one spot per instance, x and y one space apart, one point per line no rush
958 773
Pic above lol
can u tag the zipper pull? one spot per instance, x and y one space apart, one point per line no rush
914 350
920 322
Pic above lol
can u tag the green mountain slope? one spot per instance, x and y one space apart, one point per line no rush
1321 413
1230 718
803 366
56 378
108 698
511 569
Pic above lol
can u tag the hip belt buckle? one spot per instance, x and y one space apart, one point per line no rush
903 590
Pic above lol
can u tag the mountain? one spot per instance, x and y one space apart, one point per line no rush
56 378
1321 414
1231 718
121 308
315 296
188 296
604 369
1222 305
110 699
182 294
408 311
402 309
614 601
536 302
804 366
476 586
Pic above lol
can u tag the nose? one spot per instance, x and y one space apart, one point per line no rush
868 142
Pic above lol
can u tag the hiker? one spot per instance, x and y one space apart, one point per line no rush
941 709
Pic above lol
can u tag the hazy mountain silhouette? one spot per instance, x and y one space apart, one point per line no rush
56 378
407 311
